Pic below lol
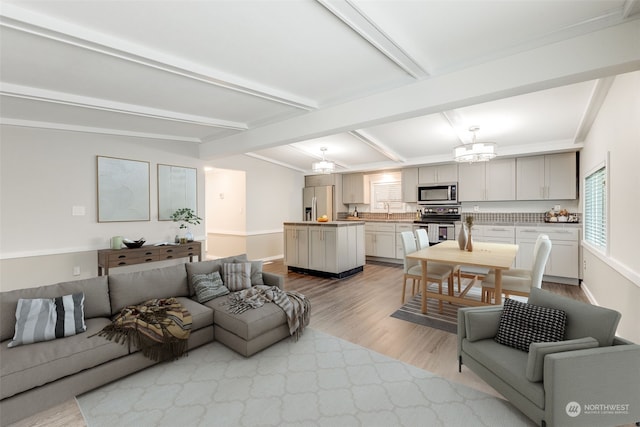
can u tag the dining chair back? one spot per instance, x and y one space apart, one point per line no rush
520 281
422 238
542 249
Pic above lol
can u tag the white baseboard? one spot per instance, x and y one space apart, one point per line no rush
588 293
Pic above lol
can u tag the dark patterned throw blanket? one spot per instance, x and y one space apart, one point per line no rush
160 328
295 305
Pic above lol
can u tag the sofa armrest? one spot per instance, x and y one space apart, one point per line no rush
593 378
272 279
539 350
476 323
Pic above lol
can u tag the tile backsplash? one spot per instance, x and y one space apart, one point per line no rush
533 217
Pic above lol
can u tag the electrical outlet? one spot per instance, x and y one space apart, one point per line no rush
476 208
584 265
76 270
556 208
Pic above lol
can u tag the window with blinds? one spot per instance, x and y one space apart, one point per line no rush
387 194
595 209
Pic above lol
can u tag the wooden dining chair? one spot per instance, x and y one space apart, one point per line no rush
520 281
422 239
413 268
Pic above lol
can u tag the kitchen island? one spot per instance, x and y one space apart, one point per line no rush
330 249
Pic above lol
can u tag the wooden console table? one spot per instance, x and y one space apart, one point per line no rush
111 258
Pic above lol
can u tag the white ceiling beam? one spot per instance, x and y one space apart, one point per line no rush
12 16
44 95
610 51
275 162
377 145
455 121
355 18
89 129
596 99
630 8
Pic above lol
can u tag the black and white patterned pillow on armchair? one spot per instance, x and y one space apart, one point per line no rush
522 323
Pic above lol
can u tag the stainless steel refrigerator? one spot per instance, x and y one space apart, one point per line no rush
317 201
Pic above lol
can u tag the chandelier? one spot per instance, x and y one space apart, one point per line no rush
323 166
475 151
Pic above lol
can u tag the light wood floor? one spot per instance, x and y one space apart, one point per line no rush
356 309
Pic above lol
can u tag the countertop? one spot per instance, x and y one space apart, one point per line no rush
497 223
345 223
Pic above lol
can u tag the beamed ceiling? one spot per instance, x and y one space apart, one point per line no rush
381 84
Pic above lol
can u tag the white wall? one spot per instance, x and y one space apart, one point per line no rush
226 201
273 196
613 279
274 193
44 173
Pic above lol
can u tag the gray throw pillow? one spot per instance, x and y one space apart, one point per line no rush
208 286
237 276
256 272
45 319
522 323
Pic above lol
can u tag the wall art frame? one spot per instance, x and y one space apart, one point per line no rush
177 189
123 189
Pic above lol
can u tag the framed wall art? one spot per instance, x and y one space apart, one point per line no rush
123 190
177 189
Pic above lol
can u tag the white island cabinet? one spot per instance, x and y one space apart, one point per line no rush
334 248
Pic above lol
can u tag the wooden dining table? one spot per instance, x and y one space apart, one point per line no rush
494 256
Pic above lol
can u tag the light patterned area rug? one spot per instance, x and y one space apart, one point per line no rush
320 380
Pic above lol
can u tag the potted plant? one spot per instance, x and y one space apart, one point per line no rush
186 216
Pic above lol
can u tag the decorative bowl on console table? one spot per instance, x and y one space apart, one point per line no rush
132 244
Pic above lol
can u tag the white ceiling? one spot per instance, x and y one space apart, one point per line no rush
381 84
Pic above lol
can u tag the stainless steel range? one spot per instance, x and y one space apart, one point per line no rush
440 222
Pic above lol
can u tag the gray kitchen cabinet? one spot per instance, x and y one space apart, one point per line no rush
323 250
380 240
296 246
487 181
494 234
410 185
548 177
355 188
438 173
320 180
565 250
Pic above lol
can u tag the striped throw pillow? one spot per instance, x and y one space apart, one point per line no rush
208 286
236 276
44 319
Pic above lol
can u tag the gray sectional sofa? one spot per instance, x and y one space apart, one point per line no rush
592 378
40 375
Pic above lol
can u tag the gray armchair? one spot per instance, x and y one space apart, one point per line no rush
591 378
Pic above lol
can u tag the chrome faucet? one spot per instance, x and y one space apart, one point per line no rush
388 206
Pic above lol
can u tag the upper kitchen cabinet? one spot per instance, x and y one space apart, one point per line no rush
355 188
319 180
410 185
549 177
487 181
438 173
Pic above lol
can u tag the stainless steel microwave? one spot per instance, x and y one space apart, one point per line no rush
438 194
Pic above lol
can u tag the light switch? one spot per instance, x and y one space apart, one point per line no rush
78 211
